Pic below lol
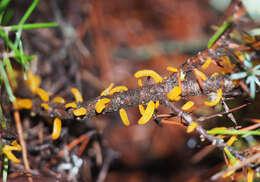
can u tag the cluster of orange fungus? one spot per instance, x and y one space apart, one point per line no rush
107 90
200 74
45 106
192 127
206 63
77 95
148 113
71 105
151 73
7 150
124 117
42 94
101 104
174 94
80 112
216 100
33 81
187 105
118 89
56 129
23 103
172 69
58 100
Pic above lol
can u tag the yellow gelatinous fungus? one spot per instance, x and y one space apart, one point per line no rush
206 63
101 104
141 109
77 95
106 91
174 94
240 56
56 129
172 69
232 140
151 73
71 105
33 81
157 103
58 100
250 175
80 112
7 150
148 113
124 117
192 127
23 103
45 106
216 100
118 89
227 61
187 105
139 82
200 74
42 94
214 74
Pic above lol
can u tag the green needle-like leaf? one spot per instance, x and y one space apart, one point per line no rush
6 82
219 32
233 132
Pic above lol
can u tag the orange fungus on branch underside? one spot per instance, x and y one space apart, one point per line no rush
56 129
148 113
124 117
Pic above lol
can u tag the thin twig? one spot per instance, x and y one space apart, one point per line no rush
19 129
237 166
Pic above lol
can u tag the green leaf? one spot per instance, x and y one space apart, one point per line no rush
254 32
10 71
237 76
219 32
7 17
28 12
5 168
3 4
233 132
29 26
6 83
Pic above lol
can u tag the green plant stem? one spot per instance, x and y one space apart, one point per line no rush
219 32
28 12
3 4
6 82
29 26
2 119
233 132
10 71
18 56
5 168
